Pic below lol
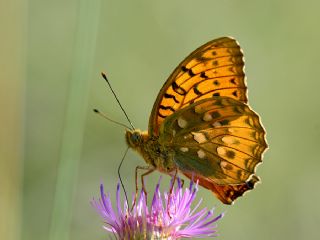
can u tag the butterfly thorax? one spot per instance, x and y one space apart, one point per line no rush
155 154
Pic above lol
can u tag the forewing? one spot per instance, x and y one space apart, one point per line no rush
214 69
218 138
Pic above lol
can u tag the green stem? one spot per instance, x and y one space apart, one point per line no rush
71 144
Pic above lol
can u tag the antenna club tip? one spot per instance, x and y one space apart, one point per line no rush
103 75
96 110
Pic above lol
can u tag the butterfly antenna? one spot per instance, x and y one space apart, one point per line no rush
119 175
109 119
105 78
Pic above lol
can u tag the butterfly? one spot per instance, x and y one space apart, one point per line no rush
201 124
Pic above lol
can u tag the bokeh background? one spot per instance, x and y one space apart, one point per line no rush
55 151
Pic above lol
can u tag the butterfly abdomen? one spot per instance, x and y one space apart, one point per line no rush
154 153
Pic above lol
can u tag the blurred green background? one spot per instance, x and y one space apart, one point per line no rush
55 151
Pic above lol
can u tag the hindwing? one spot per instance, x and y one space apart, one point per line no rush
225 193
218 138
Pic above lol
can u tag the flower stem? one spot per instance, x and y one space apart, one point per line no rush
83 58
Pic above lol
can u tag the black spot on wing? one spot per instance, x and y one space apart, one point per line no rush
216 82
250 184
215 63
238 109
188 70
184 69
196 90
167 108
224 122
203 75
178 89
230 154
160 115
215 114
235 93
191 73
166 95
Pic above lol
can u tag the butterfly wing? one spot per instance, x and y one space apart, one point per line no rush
214 69
220 140
225 193
201 113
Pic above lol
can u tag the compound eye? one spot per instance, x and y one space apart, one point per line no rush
135 137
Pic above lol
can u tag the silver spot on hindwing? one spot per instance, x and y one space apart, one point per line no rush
201 153
207 117
182 122
216 124
184 149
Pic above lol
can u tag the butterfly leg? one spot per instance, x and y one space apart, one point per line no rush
182 182
174 178
148 170
142 180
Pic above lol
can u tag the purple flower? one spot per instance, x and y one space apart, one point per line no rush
168 217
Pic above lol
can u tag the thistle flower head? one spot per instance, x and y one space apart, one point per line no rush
170 216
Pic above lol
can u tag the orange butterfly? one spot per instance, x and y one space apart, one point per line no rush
201 125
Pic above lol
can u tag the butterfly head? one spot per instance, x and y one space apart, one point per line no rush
134 138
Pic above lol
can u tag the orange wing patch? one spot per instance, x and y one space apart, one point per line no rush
214 69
